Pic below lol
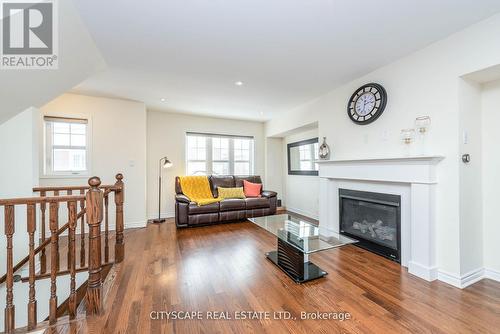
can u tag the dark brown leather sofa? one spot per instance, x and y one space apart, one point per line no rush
188 213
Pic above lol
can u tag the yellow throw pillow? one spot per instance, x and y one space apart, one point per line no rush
231 192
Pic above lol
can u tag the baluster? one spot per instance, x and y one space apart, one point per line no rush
31 214
72 258
68 255
43 256
94 203
106 229
119 198
9 306
56 193
53 261
82 231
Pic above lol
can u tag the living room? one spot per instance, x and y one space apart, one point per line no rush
251 167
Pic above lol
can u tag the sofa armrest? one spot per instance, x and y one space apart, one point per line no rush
269 193
182 198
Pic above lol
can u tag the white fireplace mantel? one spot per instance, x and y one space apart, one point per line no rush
414 178
419 169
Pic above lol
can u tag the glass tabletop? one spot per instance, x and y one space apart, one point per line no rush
301 234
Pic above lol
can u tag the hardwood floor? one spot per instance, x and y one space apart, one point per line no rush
223 268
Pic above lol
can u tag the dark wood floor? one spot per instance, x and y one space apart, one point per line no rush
223 268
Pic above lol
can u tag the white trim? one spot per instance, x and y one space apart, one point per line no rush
463 281
492 274
471 277
449 278
163 215
426 158
139 224
419 270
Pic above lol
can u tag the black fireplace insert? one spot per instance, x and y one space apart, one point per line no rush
374 219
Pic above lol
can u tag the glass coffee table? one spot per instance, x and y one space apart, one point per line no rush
297 238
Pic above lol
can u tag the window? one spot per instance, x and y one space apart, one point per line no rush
66 146
219 154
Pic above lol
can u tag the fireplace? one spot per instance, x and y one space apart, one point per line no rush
374 219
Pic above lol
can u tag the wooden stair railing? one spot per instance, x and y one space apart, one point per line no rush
93 203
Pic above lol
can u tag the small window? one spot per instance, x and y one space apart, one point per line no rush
66 146
219 154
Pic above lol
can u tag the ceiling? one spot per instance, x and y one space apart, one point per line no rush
286 52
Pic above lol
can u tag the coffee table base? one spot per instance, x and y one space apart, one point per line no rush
309 271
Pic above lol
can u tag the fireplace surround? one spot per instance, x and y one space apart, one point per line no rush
374 219
414 178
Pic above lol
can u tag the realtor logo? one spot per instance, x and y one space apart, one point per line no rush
29 35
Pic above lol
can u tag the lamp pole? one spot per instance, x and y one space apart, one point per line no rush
163 163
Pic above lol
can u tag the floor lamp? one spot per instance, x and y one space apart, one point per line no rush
164 163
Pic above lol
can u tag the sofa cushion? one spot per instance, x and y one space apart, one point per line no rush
238 180
209 208
232 204
257 202
252 189
231 192
221 181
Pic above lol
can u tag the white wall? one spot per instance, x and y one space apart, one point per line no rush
166 137
18 175
78 59
301 191
491 174
118 133
471 204
274 177
423 83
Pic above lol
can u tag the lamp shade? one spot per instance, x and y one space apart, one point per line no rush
167 163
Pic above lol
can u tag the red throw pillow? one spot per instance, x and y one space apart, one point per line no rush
251 189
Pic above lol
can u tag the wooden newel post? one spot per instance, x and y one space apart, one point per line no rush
94 204
119 198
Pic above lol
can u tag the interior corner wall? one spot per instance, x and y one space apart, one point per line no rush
471 199
18 174
274 166
166 136
422 83
118 144
301 191
491 175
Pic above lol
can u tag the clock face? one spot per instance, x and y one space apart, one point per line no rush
367 103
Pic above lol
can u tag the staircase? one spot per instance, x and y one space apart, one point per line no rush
68 249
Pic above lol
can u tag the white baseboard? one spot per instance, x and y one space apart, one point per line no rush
139 224
449 278
469 278
302 212
427 273
163 215
492 274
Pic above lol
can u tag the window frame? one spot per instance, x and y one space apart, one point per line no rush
47 157
209 152
314 171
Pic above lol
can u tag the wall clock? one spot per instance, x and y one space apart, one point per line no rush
367 103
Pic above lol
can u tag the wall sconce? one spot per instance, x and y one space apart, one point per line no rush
422 123
407 135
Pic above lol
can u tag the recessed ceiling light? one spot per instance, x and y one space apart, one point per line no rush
262 113
163 99
239 83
